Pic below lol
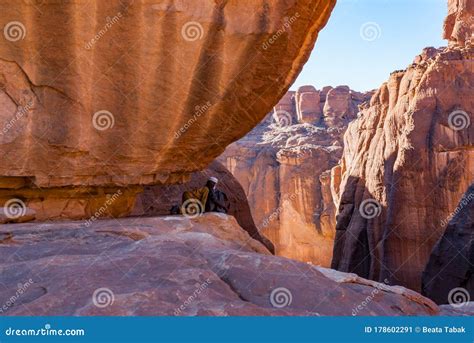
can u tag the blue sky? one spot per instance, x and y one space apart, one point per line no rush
402 29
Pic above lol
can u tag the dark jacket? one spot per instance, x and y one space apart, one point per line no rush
217 201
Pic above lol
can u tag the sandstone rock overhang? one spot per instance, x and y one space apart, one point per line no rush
117 93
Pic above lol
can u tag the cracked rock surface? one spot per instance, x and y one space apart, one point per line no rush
175 266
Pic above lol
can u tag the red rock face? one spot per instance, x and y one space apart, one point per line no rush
459 24
121 94
340 106
283 166
407 161
307 103
175 266
448 276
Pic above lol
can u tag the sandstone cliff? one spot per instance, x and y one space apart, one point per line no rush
175 266
459 24
407 161
100 96
283 166
448 276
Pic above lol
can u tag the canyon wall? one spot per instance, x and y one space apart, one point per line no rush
284 167
449 276
459 24
408 159
102 96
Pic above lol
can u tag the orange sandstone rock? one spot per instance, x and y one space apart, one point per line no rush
283 166
407 161
122 94
459 24
207 266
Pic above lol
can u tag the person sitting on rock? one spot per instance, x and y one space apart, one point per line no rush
205 199
217 200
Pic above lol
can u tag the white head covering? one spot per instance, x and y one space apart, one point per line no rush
213 179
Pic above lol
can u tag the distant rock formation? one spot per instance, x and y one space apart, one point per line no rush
407 161
459 24
102 96
284 167
175 266
449 274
